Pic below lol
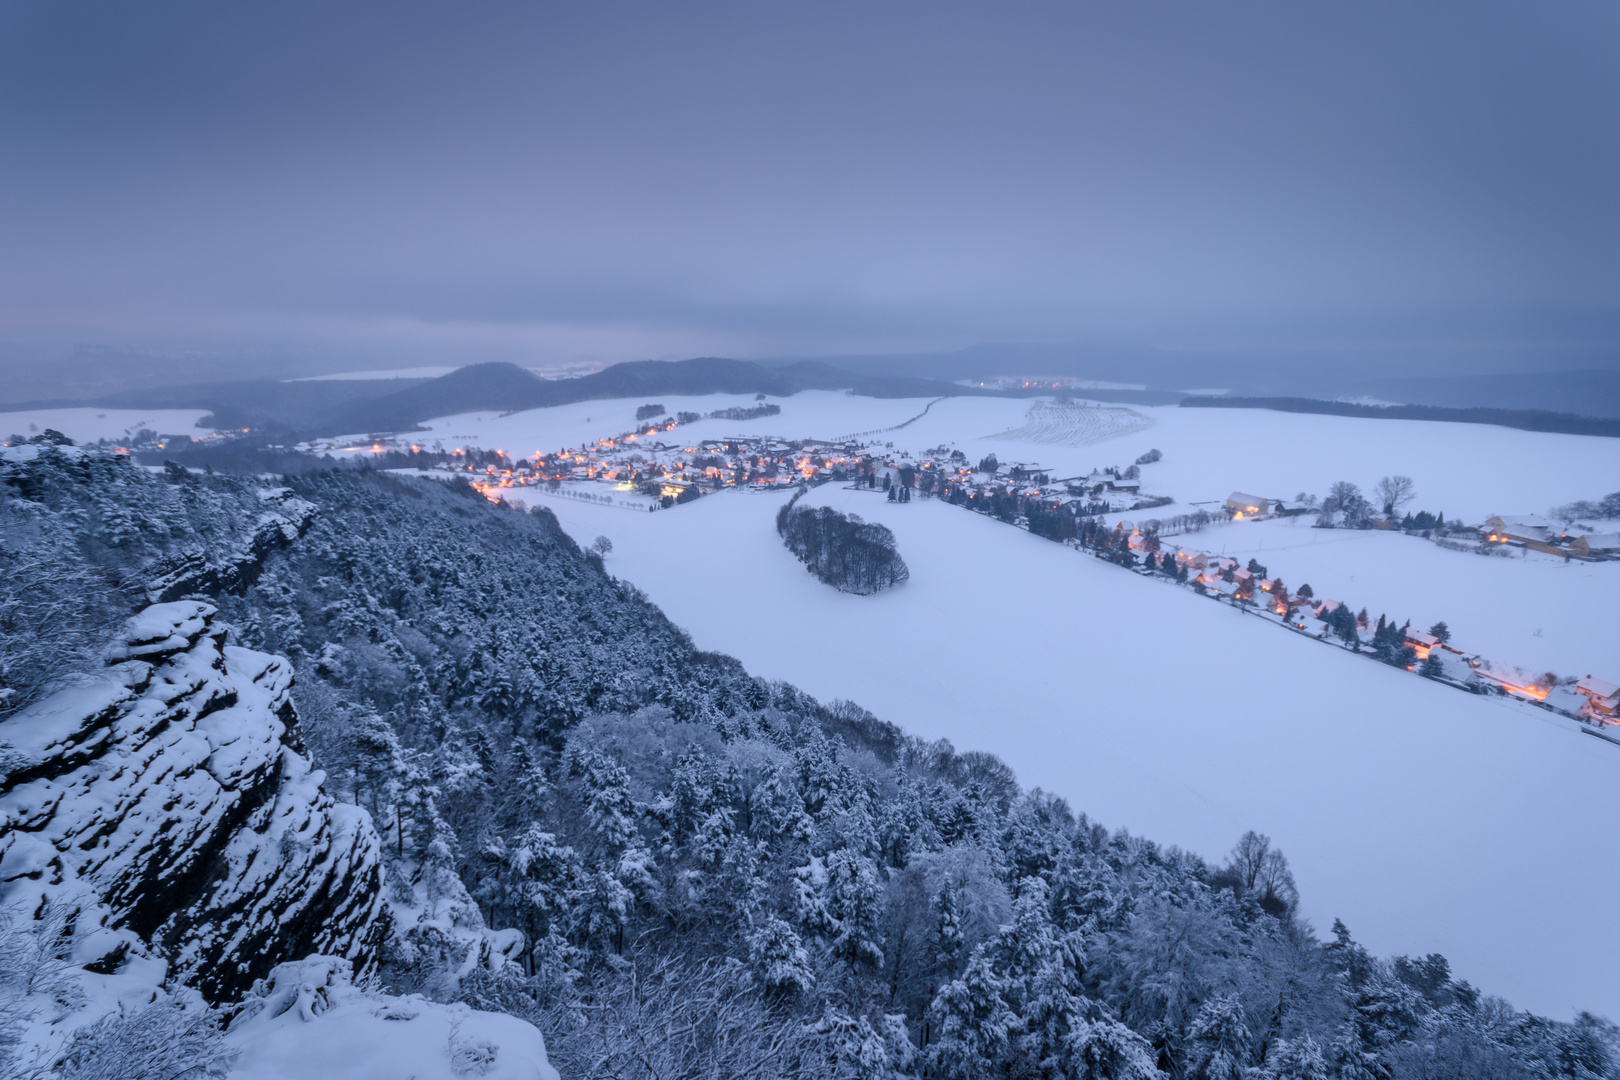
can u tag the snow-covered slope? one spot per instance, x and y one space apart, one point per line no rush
1429 819
173 790
309 1022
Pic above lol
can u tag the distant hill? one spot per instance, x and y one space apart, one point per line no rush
265 405
287 411
506 387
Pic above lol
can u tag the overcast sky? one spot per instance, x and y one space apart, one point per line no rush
614 181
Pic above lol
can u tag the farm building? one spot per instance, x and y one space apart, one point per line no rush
1521 529
1247 506
1595 544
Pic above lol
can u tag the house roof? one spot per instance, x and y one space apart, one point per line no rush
1421 638
1602 541
1598 688
1246 500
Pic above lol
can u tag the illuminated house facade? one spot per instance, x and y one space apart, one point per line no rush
1247 506
1602 699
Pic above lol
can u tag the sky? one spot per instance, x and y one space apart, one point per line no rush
612 181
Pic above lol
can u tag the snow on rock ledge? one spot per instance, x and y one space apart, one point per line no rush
174 791
307 1021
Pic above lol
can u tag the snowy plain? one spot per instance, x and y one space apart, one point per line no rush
86 425
1426 818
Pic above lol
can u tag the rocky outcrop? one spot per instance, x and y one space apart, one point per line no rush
282 518
172 789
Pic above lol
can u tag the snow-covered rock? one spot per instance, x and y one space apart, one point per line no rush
173 792
308 1021
282 518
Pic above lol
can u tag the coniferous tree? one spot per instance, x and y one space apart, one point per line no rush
973 1027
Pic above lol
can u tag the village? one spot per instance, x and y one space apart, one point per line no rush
1430 653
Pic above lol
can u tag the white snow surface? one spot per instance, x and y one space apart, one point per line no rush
1429 819
315 1025
371 376
84 425
819 414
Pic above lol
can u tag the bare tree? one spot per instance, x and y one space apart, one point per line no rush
1393 492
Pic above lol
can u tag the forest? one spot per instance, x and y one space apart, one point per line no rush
715 875
1524 419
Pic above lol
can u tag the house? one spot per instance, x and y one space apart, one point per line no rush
1595 544
1532 532
1520 529
1421 643
1324 608
1247 506
1602 699
1282 509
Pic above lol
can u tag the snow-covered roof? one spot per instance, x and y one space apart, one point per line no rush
1246 500
1598 688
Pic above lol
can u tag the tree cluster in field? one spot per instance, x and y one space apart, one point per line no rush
850 554
1346 507
1606 508
751 412
1150 457
720 876
647 412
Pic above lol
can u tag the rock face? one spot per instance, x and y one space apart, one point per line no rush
173 792
282 518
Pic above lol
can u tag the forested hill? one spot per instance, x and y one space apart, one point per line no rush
505 387
718 876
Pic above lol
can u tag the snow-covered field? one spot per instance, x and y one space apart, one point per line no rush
816 414
1075 424
1426 818
90 424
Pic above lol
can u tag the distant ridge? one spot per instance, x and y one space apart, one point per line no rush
507 387
1523 419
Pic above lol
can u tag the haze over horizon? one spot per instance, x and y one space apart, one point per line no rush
377 184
